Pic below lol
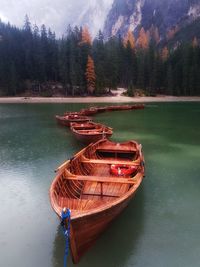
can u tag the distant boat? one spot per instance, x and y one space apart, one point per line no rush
90 132
87 186
101 109
124 107
66 120
94 110
89 111
138 106
118 107
73 113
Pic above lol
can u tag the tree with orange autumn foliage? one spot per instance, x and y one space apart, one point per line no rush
154 34
165 53
195 42
90 75
143 41
171 32
85 36
129 39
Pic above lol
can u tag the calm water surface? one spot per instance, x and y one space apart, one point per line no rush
161 226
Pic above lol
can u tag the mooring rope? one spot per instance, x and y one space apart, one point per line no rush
65 224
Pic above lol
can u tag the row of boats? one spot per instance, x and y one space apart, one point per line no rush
84 128
97 183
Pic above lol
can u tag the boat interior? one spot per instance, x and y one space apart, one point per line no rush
87 126
87 182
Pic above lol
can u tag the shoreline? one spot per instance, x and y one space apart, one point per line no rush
106 99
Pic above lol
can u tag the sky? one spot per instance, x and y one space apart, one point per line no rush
56 14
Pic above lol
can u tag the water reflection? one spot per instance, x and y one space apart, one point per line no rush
117 244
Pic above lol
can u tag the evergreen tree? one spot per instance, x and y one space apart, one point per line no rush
35 57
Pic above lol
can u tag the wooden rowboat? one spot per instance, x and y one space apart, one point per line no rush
89 111
101 109
90 132
118 107
66 120
84 126
86 186
138 106
73 113
124 107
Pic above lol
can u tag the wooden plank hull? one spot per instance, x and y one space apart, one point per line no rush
90 132
89 111
138 106
91 138
125 107
86 230
66 121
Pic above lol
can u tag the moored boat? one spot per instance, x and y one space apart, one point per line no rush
79 113
118 107
66 120
90 132
138 106
101 109
89 111
86 185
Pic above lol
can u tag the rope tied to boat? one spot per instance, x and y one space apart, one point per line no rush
65 224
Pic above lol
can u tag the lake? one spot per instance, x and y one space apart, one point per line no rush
160 227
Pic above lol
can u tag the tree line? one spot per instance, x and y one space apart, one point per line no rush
31 58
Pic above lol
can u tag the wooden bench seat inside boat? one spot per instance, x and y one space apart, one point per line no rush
109 161
100 179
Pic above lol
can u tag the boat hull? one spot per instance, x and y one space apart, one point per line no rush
86 230
66 122
87 139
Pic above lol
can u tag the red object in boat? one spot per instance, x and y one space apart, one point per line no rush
122 170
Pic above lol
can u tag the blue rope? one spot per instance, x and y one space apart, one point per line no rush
65 218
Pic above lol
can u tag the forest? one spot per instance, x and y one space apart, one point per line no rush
33 59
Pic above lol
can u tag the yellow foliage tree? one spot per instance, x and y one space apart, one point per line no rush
129 38
85 36
143 41
90 75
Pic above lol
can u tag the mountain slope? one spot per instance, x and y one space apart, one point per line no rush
57 14
93 14
165 15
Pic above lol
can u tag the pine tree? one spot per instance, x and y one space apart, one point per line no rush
28 49
169 80
90 75
99 55
27 24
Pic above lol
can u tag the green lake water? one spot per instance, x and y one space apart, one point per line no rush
160 227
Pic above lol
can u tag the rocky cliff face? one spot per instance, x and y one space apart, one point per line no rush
163 14
91 13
